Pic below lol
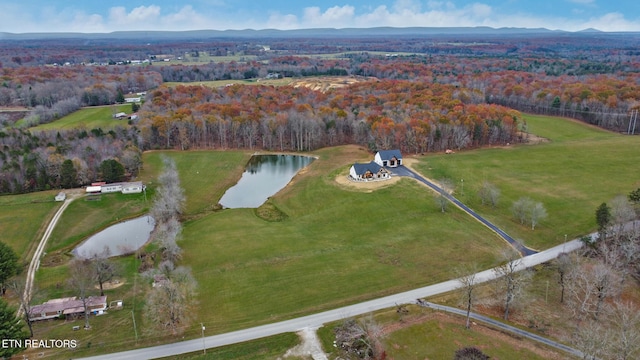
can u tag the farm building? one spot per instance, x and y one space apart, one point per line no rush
61 196
368 171
388 158
134 187
67 307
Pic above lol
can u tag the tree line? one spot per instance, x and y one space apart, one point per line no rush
412 116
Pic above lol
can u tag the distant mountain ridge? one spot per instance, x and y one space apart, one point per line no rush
318 32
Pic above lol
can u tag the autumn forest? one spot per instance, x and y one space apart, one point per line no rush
418 94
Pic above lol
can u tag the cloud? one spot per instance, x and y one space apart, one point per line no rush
222 15
336 16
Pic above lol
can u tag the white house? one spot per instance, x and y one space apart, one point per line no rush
132 187
368 171
388 158
111 188
61 196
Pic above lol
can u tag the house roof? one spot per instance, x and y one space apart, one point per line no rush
389 154
69 305
362 168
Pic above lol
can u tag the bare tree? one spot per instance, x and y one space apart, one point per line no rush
81 279
622 212
592 339
511 282
589 285
360 338
170 198
25 302
468 284
169 306
537 213
526 210
442 198
103 268
625 320
520 209
489 194
564 263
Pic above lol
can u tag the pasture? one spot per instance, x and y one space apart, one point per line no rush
579 168
89 118
338 246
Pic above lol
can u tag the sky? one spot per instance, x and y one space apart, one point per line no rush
90 16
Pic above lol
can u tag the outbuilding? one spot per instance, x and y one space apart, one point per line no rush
388 158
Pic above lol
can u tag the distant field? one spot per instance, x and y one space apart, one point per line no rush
205 58
89 118
221 83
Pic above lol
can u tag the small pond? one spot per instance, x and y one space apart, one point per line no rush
122 238
264 176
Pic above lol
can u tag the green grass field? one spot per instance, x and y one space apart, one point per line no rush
337 246
578 169
221 83
22 220
429 334
88 118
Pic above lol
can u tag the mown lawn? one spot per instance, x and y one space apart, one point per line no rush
335 246
89 118
579 168
22 220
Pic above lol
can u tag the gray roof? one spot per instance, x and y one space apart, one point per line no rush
389 154
362 168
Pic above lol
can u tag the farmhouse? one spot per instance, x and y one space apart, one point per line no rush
388 158
134 187
368 171
67 307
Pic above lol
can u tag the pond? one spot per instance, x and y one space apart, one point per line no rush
264 176
122 238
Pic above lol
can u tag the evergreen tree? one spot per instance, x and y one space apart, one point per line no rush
8 264
112 171
10 329
68 175
603 217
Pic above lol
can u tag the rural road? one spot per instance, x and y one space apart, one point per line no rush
35 261
317 320
503 326
405 171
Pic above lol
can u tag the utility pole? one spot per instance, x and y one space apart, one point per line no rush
204 348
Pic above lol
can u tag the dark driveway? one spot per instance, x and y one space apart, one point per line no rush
404 171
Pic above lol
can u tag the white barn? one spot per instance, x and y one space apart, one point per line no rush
388 158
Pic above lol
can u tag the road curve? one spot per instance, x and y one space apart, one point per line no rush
405 171
317 320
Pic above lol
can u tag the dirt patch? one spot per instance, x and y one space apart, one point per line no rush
310 346
329 82
365 186
116 283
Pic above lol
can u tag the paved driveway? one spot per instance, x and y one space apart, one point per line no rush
406 172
